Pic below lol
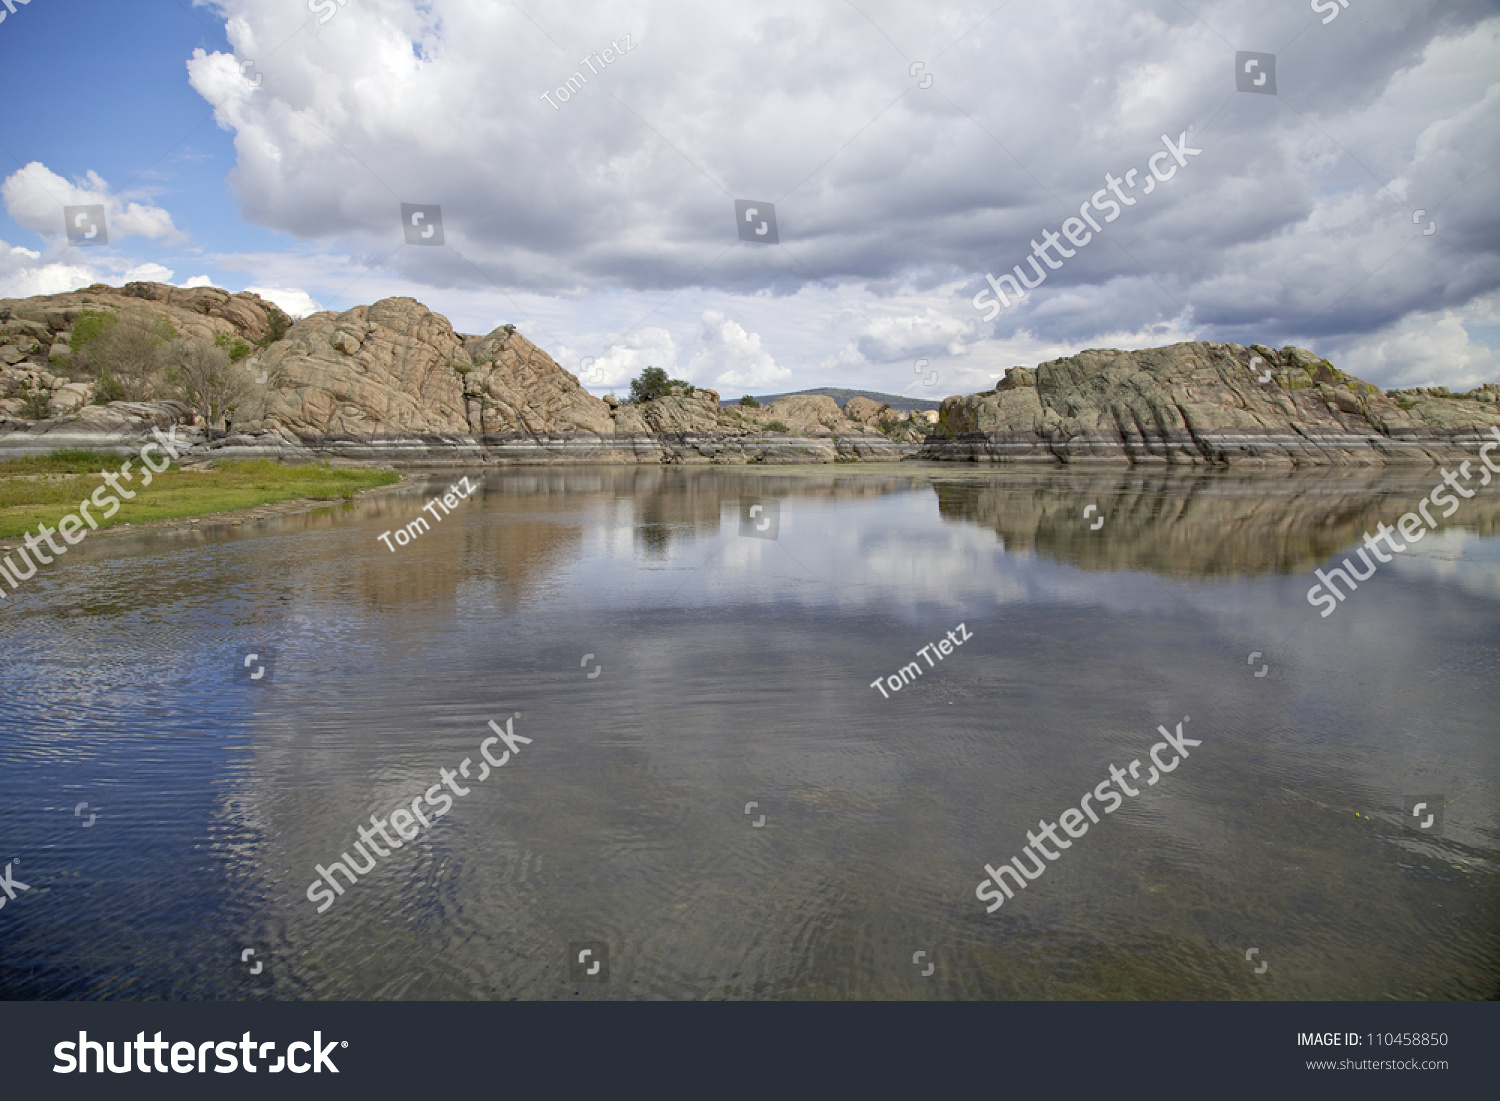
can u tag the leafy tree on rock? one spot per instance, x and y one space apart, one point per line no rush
653 383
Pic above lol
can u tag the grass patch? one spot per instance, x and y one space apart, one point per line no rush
46 488
69 460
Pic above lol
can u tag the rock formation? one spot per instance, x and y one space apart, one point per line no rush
392 381
1204 403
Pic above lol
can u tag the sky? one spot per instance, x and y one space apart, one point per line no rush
599 172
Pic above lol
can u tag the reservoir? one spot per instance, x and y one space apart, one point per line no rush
716 790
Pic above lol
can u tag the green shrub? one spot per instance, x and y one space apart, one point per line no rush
232 344
108 389
749 403
277 323
37 405
90 326
778 426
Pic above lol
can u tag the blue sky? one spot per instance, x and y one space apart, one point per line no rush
603 225
102 86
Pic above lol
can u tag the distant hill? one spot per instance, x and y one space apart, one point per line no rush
899 404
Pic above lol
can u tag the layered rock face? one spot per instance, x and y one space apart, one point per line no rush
397 369
34 336
1203 403
392 381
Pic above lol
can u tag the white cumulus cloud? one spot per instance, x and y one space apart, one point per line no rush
297 304
651 347
888 339
35 196
732 357
144 273
23 273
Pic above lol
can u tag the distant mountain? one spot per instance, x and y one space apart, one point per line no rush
899 404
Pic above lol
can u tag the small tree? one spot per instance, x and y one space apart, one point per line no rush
749 403
652 383
124 353
203 377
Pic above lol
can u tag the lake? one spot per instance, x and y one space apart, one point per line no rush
731 788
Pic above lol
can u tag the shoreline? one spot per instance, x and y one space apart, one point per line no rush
1205 449
232 517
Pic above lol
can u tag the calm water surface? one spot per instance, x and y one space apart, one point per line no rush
730 669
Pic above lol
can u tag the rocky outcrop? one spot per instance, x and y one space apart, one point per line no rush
1204 403
35 353
41 326
393 382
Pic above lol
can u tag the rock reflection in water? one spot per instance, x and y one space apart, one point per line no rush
1185 525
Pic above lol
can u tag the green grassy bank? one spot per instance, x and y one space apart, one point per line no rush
46 488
